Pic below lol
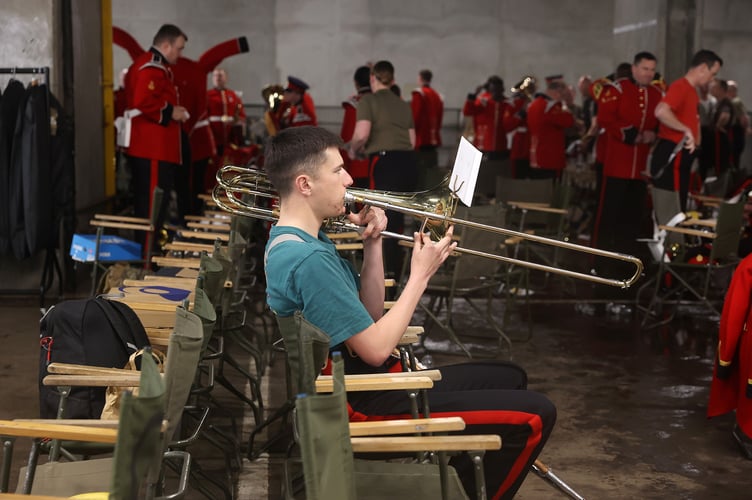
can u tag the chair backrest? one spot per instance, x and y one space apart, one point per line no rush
138 450
666 205
728 232
206 312
157 198
307 351
527 190
471 266
183 355
214 275
530 190
324 438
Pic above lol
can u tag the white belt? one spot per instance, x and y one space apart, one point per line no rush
123 125
201 123
222 118
521 129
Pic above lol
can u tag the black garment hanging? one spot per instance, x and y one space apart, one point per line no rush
12 98
62 175
36 171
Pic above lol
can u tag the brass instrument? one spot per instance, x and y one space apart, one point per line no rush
525 86
242 191
272 95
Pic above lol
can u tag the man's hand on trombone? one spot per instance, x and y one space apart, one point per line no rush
429 255
372 218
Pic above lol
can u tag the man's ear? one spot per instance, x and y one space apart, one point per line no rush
302 184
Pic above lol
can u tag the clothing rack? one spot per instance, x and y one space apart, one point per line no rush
51 263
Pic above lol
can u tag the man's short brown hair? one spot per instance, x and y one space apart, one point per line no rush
383 71
295 150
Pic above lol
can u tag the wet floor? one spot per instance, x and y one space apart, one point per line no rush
631 403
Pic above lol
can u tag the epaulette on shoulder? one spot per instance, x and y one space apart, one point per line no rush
617 85
418 90
154 62
351 101
658 86
597 87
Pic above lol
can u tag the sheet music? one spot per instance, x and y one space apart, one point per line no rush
465 171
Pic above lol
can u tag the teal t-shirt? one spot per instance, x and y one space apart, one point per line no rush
310 276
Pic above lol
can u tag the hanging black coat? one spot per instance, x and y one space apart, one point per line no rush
62 175
30 183
12 98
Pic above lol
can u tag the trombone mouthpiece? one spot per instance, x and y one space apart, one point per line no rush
349 198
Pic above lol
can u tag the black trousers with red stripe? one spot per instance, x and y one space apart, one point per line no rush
492 398
673 177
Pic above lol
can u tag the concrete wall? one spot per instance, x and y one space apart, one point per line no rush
207 24
638 26
323 41
727 30
26 38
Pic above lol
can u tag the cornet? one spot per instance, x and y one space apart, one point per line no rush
242 191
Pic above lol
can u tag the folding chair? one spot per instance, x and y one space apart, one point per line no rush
472 278
701 283
148 226
137 456
538 207
323 463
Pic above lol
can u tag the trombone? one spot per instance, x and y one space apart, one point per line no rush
239 188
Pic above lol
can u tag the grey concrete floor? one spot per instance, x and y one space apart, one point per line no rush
631 404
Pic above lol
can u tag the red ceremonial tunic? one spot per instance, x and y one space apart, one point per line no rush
359 167
488 121
626 109
516 121
225 110
151 91
731 387
428 113
303 113
546 121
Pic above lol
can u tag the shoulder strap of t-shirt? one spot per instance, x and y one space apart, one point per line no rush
280 239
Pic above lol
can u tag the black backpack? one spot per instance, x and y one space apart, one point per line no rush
96 332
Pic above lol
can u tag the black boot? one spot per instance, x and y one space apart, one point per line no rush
744 441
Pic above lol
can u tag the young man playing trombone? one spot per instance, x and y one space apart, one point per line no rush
305 273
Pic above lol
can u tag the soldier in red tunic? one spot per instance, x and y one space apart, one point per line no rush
298 108
428 113
488 108
516 121
547 120
626 112
356 167
155 116
226 113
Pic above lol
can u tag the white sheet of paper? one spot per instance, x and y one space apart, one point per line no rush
465 171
